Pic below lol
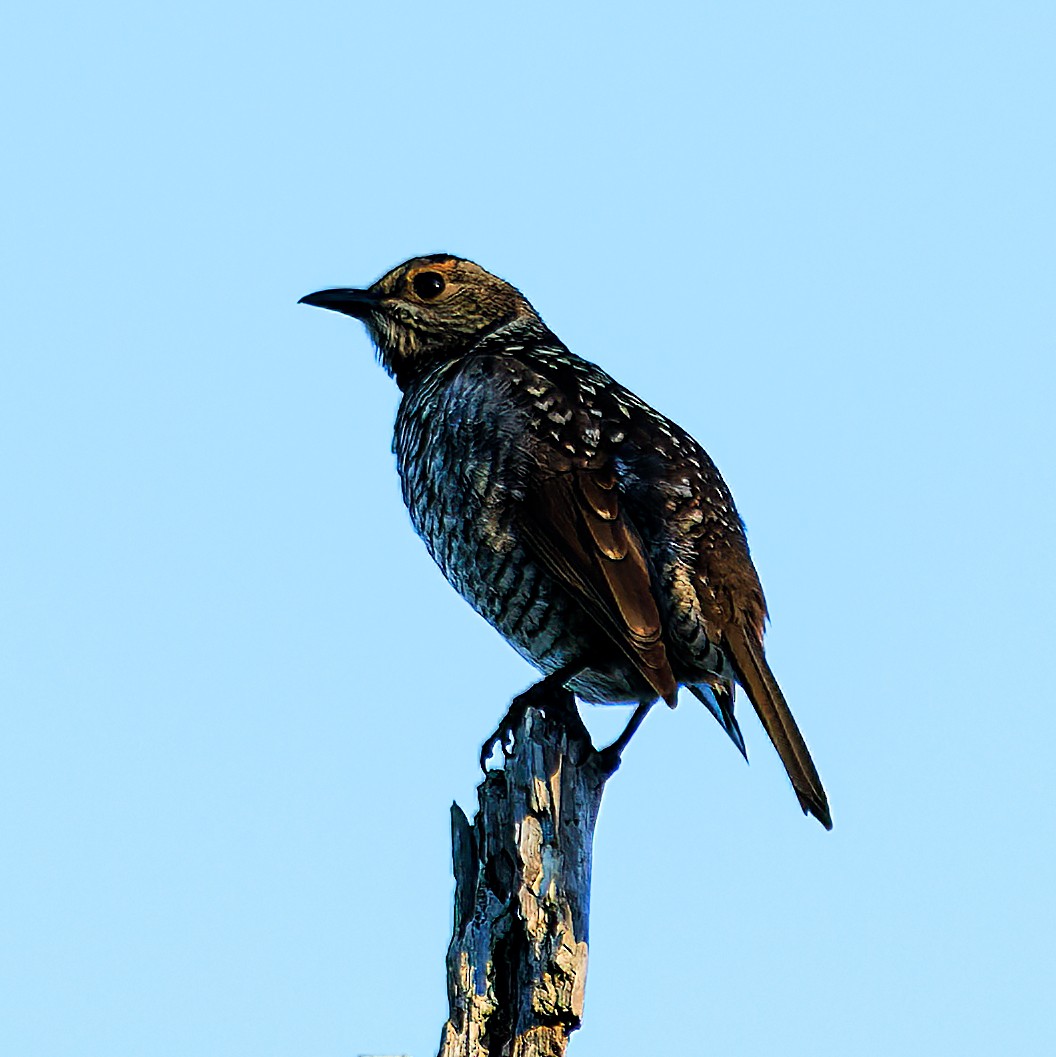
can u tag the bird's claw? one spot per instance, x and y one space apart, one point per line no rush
608 759
503 734
542 695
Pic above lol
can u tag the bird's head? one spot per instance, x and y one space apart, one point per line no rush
428 309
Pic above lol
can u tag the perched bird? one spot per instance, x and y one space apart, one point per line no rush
592 532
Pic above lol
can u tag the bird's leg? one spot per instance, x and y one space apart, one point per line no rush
550 689
609 757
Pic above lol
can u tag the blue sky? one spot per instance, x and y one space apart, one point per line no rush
238 699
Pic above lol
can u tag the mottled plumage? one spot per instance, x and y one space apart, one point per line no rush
592 532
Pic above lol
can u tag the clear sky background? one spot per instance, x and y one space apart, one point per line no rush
237 697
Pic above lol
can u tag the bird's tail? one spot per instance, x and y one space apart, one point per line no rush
719 702
754 674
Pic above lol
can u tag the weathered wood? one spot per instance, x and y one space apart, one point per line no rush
517 963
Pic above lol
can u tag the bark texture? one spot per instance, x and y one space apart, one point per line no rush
517 963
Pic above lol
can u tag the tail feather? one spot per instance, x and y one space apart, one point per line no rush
754 674
719 702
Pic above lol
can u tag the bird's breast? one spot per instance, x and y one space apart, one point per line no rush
462 466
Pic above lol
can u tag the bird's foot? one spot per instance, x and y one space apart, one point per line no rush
548 693
502 736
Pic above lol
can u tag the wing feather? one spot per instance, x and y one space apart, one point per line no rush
574 523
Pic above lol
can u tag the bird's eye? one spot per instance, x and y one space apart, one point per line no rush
428 285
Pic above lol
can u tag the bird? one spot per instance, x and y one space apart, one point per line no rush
594 533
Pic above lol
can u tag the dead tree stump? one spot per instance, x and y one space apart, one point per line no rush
517 963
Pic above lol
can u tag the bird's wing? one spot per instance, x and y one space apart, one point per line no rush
573 522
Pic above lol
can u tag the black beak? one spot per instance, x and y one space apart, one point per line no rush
356 303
